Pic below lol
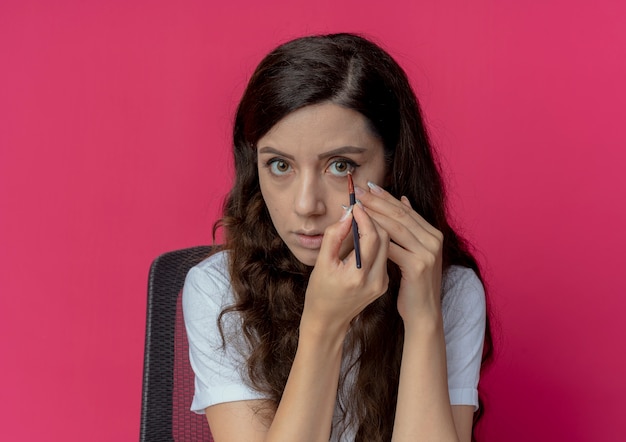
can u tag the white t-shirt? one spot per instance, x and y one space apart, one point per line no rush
219 372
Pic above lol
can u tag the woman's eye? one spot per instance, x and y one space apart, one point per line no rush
279 167
341 167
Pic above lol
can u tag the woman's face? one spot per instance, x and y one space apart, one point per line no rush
303 163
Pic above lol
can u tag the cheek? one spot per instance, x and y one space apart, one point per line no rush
378 174
266 190
335 207
274 201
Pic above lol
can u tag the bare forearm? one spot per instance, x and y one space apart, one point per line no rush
306 409
423 410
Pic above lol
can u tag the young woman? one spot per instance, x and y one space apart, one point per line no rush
289 340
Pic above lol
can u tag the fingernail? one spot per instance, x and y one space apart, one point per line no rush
375 188
344 207
358 191
406 201
346 214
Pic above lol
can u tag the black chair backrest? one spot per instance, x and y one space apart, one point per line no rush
168 380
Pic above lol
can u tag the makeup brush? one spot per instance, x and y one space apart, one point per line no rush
355 227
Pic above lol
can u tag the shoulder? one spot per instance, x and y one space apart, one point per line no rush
463 296
461 285
214 268
464 321
207 283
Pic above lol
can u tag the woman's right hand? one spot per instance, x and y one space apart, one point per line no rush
338 291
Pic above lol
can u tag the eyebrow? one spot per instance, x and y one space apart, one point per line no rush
331 153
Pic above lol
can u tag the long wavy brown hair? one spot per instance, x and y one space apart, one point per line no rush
268 281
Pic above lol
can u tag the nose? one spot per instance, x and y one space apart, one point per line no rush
309 196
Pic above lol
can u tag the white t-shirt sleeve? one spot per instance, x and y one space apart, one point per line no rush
218 370
464 316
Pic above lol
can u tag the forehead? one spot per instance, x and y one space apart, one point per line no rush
319 128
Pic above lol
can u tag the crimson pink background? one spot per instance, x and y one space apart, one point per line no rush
114 148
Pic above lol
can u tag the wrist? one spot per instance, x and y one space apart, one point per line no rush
424 325
317 332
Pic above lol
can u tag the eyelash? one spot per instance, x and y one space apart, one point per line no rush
271 163
351 166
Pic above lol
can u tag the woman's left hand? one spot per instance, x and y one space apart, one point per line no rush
416 248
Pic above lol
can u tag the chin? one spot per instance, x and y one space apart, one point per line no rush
308 258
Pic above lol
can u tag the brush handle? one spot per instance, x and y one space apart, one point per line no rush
355 235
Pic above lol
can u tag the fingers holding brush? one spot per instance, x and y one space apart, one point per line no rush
337 289
416 248
406 227
374 242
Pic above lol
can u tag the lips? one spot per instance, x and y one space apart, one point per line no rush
309 240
